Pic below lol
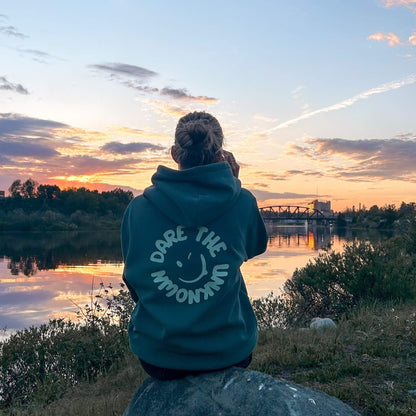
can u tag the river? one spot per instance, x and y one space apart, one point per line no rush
45 276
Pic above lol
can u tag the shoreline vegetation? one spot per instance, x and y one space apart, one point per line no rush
368 361
35 207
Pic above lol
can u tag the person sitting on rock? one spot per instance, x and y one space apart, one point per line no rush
183 242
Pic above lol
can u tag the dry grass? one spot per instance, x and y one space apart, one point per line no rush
369 361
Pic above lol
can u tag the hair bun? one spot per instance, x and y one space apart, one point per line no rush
197 135
200 136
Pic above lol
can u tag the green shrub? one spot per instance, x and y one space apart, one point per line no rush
39 363
269 311
332 284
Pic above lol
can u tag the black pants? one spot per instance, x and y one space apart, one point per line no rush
171 374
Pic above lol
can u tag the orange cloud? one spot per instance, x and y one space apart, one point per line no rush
262 117
406 3
363 159
165 108
412 39
138 133
74 133
391 38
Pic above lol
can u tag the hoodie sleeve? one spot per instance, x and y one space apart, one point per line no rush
133 293
125 245
257 237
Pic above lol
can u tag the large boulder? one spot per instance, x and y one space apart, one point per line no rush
234 391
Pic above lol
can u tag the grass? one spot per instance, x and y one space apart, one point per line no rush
369 362
109 395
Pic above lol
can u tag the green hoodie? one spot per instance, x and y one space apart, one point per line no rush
183 243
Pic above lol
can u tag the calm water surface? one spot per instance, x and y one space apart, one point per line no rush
44 276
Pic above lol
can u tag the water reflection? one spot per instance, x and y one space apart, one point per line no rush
43 276
315 238
29 252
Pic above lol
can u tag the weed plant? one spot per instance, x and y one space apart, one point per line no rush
37 364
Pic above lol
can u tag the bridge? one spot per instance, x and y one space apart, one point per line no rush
293 212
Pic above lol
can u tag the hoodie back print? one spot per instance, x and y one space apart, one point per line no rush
183 243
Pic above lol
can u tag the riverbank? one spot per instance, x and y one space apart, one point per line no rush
369 362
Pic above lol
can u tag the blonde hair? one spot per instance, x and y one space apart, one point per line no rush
198 139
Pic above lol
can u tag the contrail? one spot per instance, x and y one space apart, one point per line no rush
393 85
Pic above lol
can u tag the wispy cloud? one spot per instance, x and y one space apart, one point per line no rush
366 159
288 174
136 77
297 92
170 110
183 94
138 86
125 69
297 95
12 31
138 133
5 84
262 117
262 195
89 165
128 148
411 4
389 86
38 56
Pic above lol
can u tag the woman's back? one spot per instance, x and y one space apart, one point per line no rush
183 242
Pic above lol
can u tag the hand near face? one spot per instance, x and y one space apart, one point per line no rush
229 157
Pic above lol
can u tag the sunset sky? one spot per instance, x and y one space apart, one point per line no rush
316 98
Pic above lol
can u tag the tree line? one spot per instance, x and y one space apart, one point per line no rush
386 217
33 206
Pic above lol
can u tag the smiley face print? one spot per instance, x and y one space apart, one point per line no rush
197 276
203 273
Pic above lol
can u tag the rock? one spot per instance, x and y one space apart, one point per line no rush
234 391
317 323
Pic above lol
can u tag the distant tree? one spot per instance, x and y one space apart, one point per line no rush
407 210
341 221
16 189
119 195
28 189
39 206
373 210
389 215
48 192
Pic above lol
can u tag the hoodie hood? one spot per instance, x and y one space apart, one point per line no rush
195 196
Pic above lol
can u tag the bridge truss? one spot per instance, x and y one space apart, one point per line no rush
292 212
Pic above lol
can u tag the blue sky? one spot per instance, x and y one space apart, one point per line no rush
315 98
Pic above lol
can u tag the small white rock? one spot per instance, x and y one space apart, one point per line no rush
318 323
